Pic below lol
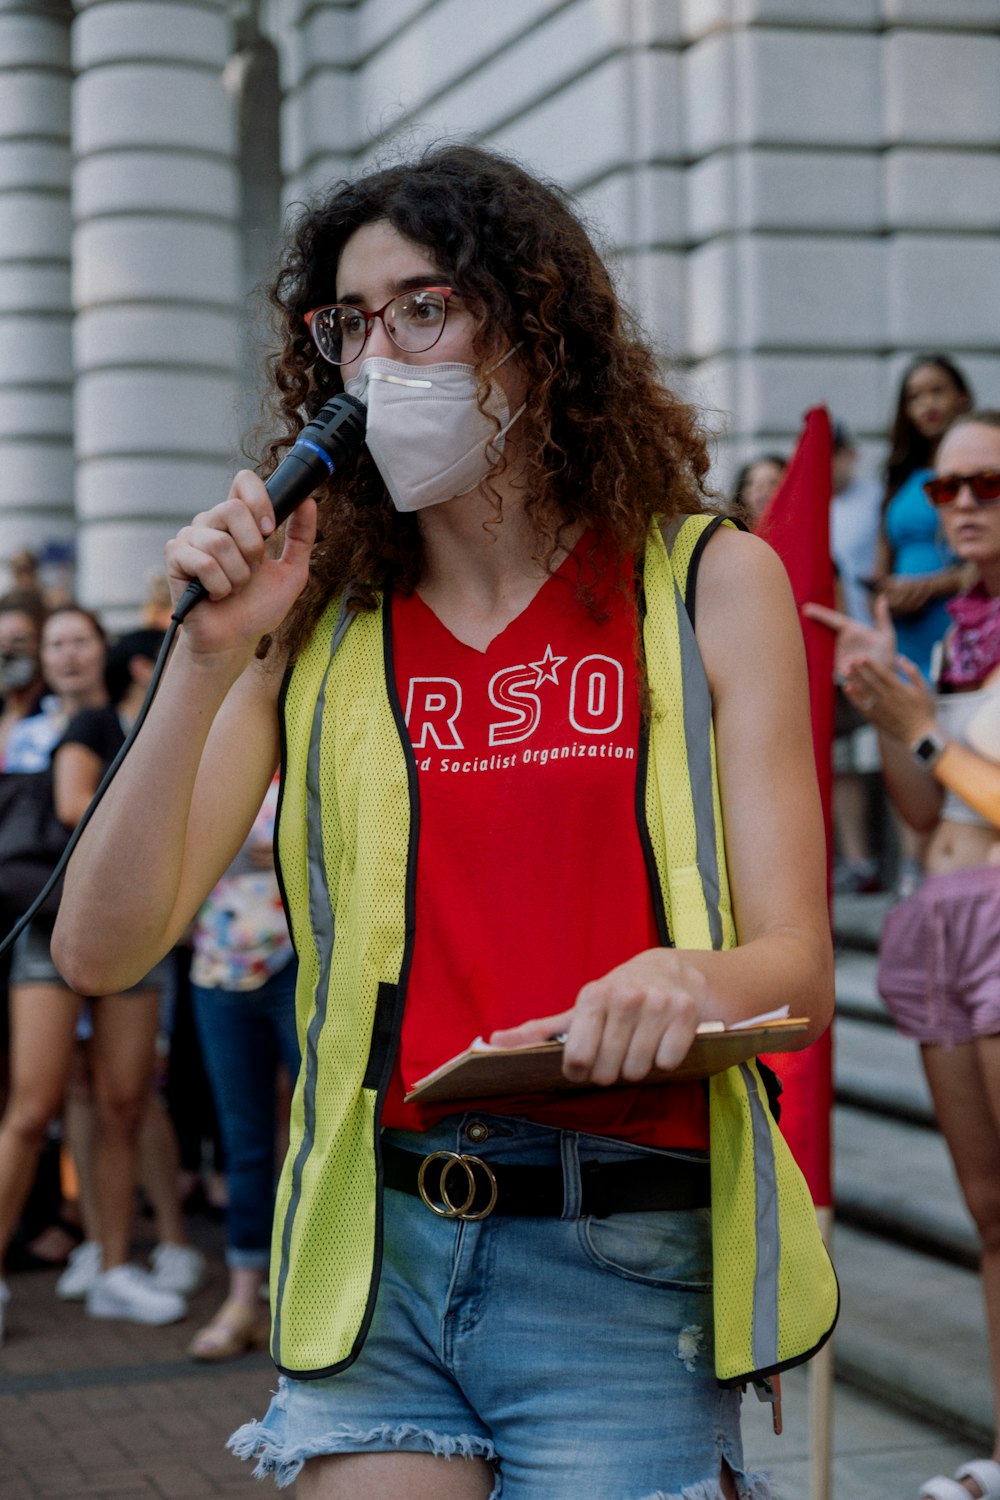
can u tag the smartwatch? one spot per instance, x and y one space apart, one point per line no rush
929 749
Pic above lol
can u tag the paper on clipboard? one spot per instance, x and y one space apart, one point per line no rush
483 1072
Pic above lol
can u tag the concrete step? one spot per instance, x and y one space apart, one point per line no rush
897 1181
912 1333
912 1329
879 1452
857 920
878 1070
857 995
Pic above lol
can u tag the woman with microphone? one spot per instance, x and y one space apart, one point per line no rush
499 719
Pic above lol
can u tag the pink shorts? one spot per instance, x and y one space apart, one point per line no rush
939 959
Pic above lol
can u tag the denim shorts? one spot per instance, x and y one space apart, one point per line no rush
574 1354
32 961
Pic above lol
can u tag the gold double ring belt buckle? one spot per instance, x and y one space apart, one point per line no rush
447 1209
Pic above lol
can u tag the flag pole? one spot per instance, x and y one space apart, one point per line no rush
821 1398
796 522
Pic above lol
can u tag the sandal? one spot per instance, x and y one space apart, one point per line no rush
984 1472
235 1330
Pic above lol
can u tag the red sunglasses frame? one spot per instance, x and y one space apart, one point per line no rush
944 489
446 292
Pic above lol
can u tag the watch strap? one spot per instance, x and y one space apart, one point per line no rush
928 749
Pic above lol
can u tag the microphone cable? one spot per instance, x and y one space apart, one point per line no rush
332 438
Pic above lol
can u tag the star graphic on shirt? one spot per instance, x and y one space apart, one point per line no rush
547 667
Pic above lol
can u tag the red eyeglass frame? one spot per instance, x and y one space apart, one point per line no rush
447 292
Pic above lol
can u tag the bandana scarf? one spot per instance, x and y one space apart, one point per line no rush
973 644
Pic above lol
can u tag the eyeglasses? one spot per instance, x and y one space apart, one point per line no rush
413 320
983 486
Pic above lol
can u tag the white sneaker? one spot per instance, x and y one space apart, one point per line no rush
82 1270
130 1293
178 1268
4 1299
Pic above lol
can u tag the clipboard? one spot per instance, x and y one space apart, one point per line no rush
485 1072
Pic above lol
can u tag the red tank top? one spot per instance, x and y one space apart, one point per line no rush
531 878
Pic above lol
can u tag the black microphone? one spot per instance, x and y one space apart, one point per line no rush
333 437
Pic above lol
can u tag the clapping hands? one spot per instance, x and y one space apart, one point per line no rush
887 688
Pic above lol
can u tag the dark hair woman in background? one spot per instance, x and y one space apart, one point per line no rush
917 570
754 485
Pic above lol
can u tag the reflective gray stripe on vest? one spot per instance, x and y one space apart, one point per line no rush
698 735
322 921
670 533
767 1235
345 615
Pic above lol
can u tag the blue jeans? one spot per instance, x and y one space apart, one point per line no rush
574 1354
245 1036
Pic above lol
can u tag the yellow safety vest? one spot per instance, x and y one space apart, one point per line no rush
347 840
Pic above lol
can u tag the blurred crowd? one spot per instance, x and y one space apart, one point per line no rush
917 752
169 1095
173 1094
887 543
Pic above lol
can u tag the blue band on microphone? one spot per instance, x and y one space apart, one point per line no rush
305 443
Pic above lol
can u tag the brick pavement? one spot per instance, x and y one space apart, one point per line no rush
93 1410
109 1411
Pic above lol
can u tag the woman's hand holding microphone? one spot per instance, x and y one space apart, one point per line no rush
226 549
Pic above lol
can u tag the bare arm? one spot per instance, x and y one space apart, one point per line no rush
913 791
907 593
883 556
647 1010
76 772
902 710
973 777
188 791
751 642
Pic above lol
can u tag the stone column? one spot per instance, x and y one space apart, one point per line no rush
786 270
843 199
36 444
252 81
156 283
318 52
941 66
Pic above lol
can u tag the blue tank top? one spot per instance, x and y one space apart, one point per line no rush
918 546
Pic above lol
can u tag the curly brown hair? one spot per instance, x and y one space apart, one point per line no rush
606 442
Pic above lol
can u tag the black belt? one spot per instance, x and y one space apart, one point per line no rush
456 1185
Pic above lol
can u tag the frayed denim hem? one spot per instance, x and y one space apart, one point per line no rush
748 1487
284 1462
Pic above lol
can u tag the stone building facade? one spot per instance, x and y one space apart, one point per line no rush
799 194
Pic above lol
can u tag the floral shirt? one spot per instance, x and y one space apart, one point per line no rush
240 934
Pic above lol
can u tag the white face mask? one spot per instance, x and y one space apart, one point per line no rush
17 671
425 431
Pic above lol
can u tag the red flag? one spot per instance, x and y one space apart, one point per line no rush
796 522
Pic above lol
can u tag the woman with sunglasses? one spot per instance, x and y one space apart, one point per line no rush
462 735
939 961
